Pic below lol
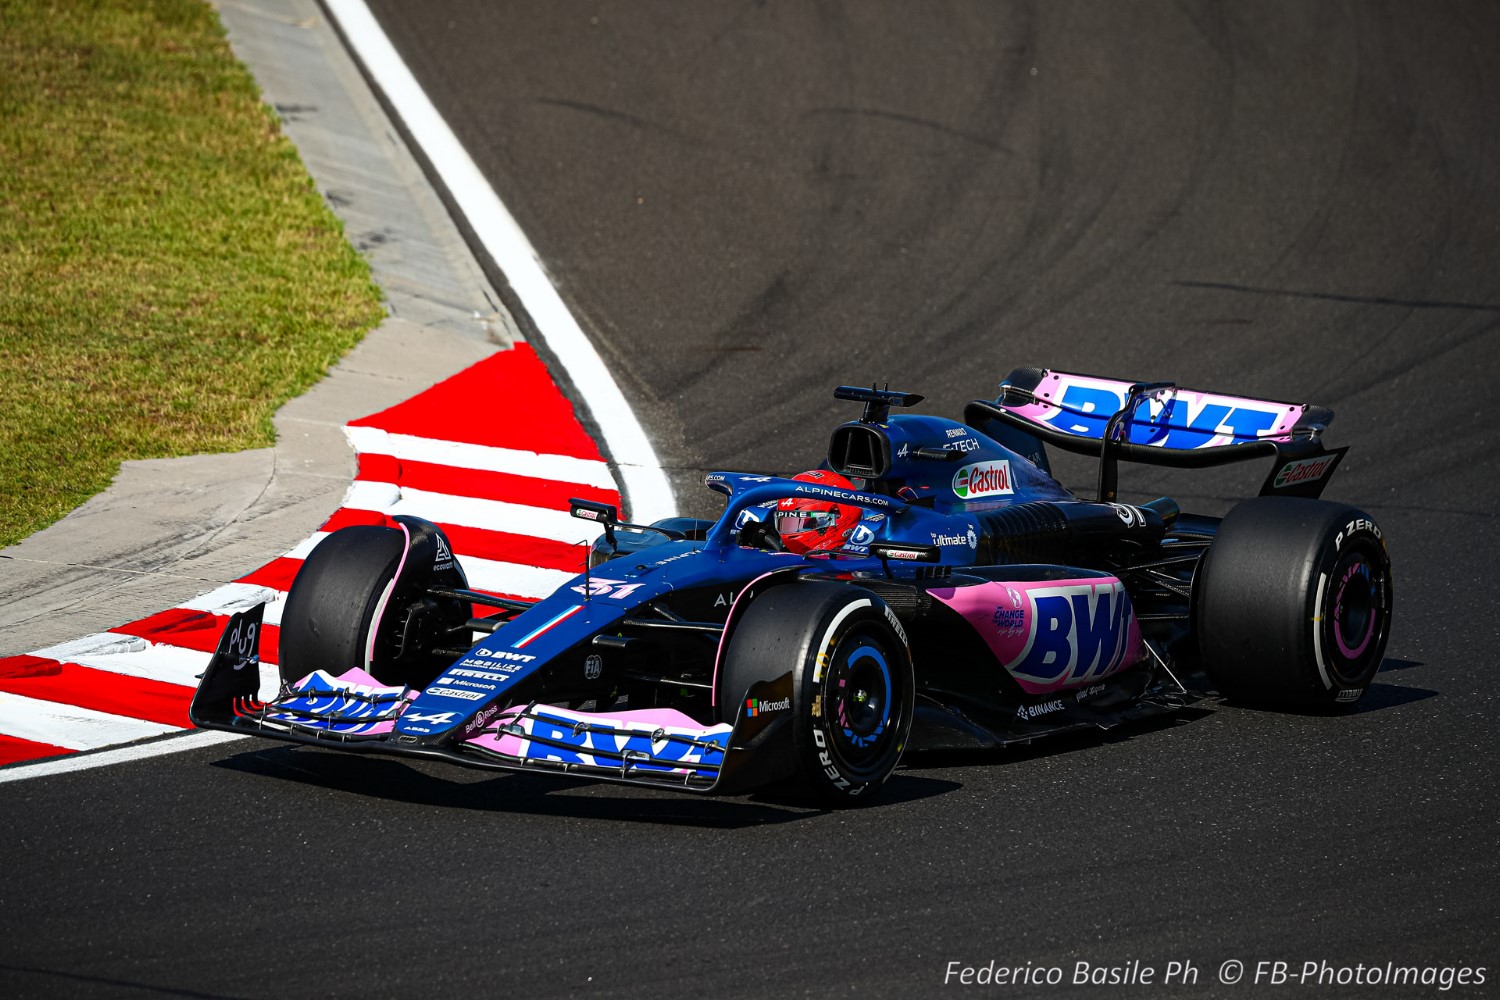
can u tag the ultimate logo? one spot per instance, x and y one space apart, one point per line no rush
760 706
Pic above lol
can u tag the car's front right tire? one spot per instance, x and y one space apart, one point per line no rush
332 615
362 599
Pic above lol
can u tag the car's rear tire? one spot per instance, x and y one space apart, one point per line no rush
852 686
1292 603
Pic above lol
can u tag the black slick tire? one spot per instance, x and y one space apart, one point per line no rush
1292 603
335 597
852 686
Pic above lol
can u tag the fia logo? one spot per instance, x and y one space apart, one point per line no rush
593 667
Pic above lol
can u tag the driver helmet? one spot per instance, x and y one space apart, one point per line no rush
815 525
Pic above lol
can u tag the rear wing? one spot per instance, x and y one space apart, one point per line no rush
1159 423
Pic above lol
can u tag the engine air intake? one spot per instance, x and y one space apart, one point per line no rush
859 451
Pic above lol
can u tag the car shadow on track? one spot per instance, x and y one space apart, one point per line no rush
541 795
1043 746
1378 697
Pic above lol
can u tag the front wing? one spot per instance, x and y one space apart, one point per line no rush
353 711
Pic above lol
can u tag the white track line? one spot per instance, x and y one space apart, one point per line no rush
83 762
494 575
235 597
154 661
514 578
470 512
69 726
482 458
648 494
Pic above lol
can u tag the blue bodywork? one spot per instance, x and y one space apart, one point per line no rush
616 673
941 513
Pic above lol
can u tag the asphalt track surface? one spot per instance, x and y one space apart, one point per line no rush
748 204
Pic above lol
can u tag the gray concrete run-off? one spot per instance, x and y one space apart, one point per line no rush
170 529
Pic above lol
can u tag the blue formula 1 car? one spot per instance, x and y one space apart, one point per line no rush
959 597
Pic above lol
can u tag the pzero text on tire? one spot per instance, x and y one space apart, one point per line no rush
852 691
1293 603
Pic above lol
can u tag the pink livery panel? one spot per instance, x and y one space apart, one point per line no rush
1175 418
1052 634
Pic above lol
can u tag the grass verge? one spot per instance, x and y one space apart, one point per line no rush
169 275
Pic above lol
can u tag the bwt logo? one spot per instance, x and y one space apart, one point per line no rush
1078 631
565 742
1181 422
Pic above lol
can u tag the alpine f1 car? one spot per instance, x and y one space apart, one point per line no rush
930 585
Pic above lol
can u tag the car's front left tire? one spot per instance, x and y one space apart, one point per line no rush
852 684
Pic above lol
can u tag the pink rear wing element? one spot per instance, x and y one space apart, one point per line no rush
1170 418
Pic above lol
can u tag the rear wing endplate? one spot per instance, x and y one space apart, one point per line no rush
1160 423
